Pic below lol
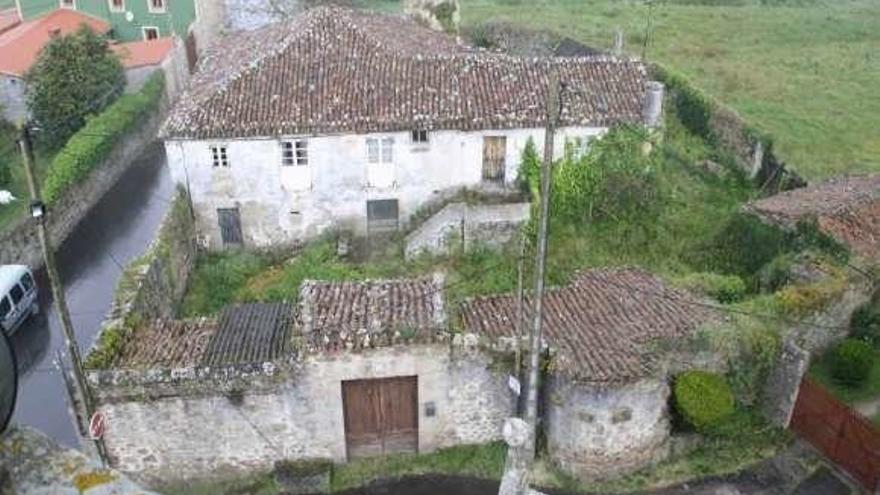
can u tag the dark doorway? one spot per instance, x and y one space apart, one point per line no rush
229 220
381 416
382 216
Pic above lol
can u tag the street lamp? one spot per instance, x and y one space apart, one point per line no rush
38 209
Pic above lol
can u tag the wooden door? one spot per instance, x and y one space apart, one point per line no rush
494 157
229 220
381 416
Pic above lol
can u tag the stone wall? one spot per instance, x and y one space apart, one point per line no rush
196 423
19 243
596 434
470 225
32 463
783 384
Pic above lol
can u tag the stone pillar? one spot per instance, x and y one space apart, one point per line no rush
757 158
617 49
653 108
784 383
440 15
515 480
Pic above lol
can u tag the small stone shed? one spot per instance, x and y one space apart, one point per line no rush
353 369
847 208
606 396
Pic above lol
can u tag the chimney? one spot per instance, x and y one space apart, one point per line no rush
653 104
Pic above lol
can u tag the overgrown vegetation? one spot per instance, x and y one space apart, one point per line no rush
821 371
851 362
704 400
75 76
89 146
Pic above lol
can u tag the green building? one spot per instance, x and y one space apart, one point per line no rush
131 20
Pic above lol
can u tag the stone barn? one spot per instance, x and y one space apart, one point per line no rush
607 393
355 369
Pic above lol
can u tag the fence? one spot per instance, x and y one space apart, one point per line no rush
843 435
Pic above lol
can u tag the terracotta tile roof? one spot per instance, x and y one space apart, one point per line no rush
847 208
335 70
167 344
601 325
250 333
143 53
20 46
8 20
335 316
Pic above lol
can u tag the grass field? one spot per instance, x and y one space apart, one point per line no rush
806 71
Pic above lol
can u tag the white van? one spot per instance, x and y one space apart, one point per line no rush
18 296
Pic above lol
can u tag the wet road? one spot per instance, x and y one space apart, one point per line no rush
117 230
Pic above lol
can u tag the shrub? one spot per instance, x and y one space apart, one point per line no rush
851 362
5 171
704 400
94 142
865 323
74 76
724 288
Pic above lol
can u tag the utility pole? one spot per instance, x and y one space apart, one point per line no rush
83 401
520 309
520 435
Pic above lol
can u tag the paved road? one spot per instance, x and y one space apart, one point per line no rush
118 229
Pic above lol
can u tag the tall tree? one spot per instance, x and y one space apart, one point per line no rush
74 76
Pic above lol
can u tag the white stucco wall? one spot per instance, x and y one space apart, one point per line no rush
203 436
12 98
281 205
597 434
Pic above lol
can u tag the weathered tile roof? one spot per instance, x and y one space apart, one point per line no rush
335 70
335 316
847 208
601 325
167 344
250 333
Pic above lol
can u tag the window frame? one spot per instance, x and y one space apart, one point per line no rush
114 9
145 29
420 137
299 153
384 150
154 10
63 4
219 156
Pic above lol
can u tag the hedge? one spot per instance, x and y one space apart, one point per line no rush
851 362
704 400
86 149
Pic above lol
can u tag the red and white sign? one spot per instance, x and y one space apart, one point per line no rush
96 426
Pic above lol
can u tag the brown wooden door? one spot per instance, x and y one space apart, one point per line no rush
381 416
494 154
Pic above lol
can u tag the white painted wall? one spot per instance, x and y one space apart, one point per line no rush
12 98
280 206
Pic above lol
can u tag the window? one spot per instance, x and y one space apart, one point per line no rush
295 153
5 308
420 137
380 150
219 156
382 216
68 4
229 220
156 6
151 33
27 282
16 293
117 5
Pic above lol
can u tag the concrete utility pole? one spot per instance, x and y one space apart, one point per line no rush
83 403
521 434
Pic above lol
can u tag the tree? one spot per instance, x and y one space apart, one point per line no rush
74 76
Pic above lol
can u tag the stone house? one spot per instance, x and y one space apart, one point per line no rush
606 398
349 120
369 368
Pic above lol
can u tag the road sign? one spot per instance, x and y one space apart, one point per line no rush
96 426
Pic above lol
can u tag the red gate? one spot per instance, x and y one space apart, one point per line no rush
846 437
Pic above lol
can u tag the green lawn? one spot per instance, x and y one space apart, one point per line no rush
869 389
807 74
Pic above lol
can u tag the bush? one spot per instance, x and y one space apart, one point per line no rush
704 400
723 288
851 362
74 76
94 142
865 323
5 171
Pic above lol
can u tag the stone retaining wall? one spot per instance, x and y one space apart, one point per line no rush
19 243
